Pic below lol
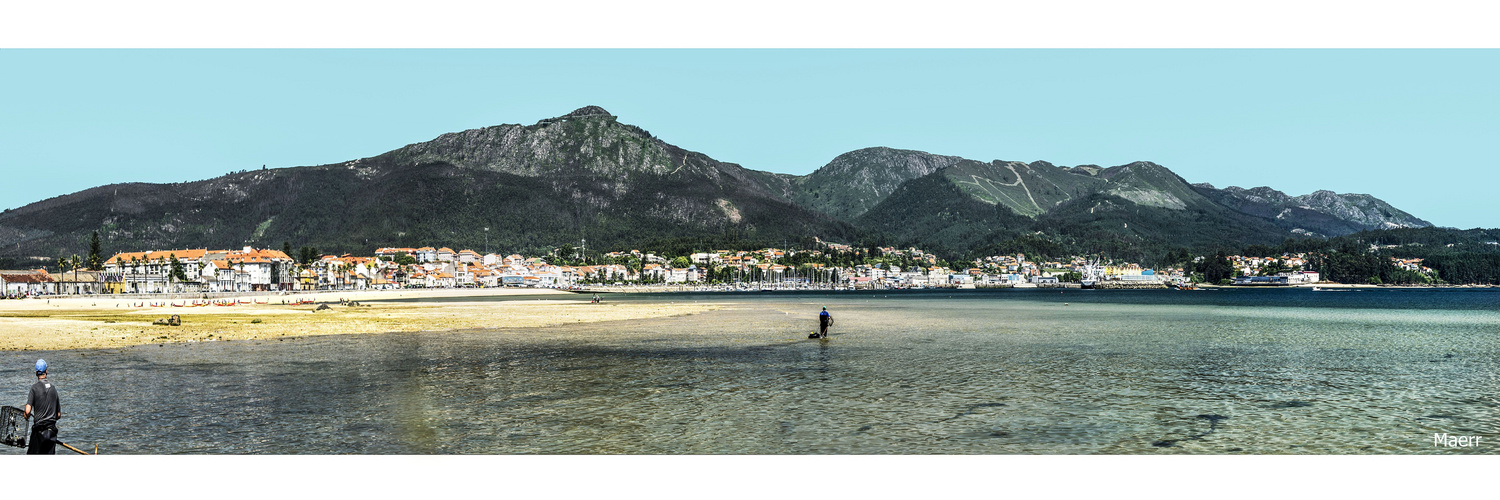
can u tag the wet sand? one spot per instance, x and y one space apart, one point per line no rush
102 322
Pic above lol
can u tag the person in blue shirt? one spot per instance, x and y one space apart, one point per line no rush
825 320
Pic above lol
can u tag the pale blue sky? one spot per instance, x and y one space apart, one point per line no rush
1416 128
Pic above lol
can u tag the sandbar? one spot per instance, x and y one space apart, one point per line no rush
114 321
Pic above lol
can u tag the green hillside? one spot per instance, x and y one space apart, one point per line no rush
579 176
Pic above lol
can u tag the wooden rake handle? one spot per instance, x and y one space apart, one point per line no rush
68 446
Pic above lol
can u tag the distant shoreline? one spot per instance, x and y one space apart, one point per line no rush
1345 285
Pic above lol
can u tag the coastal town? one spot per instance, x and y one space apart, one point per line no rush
833 266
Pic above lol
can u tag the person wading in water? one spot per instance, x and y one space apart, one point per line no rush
42 400
825 320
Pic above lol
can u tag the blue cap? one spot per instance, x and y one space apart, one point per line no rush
41 366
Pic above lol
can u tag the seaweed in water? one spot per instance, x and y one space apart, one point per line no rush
1213 425
971 409
1213 421
1290 404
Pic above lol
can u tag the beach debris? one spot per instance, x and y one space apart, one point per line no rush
323 307
175 320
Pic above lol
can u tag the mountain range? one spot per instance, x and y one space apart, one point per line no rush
586 176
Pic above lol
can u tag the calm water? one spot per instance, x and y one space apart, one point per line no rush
994 372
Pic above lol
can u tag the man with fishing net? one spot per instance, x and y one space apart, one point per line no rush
42 400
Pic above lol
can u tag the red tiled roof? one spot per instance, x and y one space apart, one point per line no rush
25 278
162 255
256 256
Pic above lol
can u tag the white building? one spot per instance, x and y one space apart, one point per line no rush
1301 277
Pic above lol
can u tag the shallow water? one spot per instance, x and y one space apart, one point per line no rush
994 372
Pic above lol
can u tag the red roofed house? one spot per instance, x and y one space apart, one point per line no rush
260 270
25 283
150 272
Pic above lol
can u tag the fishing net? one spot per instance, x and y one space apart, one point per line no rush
12 426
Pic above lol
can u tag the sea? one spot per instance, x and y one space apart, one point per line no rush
1036 371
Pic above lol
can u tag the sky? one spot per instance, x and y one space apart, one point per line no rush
1414 127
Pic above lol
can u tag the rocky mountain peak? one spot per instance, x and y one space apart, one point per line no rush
1267 194
587 111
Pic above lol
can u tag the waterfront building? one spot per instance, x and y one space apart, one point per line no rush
25 283
259 270
1296 277
150 272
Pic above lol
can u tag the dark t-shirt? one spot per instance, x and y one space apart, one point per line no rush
44 404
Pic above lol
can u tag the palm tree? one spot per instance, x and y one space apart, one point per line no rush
135 271
76 262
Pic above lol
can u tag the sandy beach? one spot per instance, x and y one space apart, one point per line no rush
109 321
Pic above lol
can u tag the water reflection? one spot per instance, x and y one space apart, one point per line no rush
898 375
